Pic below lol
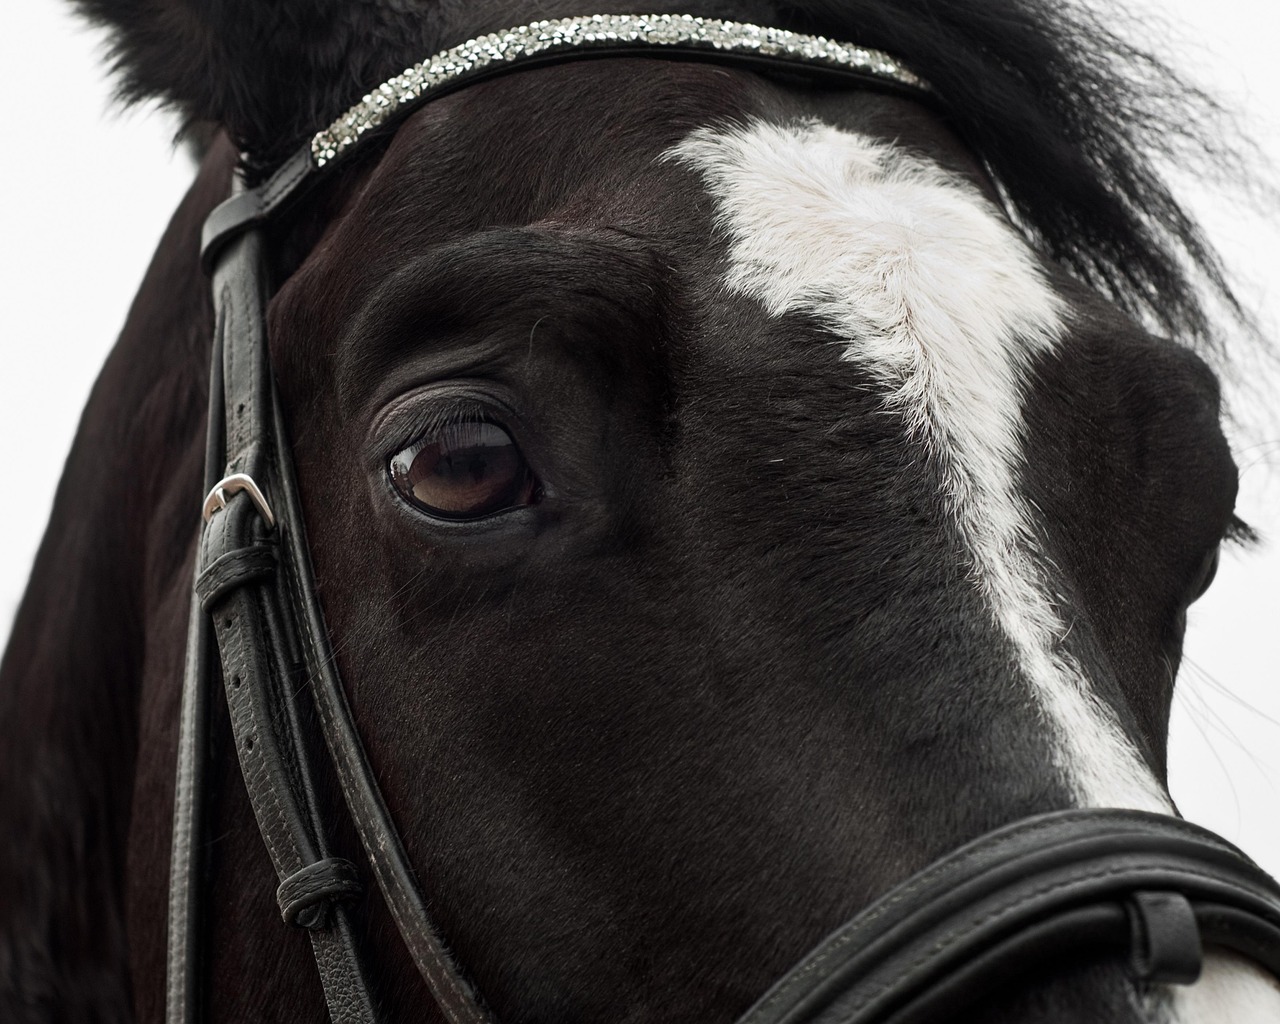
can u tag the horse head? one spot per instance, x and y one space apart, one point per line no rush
727 493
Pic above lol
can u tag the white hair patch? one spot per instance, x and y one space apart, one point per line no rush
1230 989
930 291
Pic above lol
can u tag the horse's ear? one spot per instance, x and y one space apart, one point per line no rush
269 72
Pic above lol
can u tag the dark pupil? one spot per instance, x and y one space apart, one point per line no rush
466 471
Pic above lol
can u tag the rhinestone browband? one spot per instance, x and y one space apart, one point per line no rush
598 32
549 42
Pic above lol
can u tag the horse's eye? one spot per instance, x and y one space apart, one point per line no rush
465 470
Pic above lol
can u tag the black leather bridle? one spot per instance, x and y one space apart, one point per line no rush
1075 885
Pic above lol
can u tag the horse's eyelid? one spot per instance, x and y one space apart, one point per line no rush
431 418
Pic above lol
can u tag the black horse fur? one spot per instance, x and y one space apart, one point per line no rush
620 739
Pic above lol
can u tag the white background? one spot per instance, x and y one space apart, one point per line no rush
87 191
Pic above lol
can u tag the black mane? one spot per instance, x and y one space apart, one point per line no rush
1073 121
1076 125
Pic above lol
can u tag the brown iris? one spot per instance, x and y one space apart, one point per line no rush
465 470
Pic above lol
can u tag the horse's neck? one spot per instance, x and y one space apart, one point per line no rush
72 707
68 692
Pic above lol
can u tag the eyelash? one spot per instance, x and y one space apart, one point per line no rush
1240 533
437 415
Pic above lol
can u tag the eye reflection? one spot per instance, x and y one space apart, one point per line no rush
465 470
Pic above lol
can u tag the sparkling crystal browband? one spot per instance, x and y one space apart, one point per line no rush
609 32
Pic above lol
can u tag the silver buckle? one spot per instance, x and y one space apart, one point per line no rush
233 484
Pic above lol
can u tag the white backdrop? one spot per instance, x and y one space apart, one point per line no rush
87 191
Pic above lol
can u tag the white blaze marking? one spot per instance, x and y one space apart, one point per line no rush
1231 990
932 293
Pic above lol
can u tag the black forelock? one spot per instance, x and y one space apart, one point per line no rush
1078 126
1075 123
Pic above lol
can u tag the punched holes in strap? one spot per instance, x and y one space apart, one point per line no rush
307 895
1166 938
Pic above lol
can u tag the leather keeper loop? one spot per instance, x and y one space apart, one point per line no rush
1166 938
306 896
232 570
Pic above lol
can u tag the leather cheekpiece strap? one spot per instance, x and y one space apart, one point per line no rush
241 588
254 580
184 957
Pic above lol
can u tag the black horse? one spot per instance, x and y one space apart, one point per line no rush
727 493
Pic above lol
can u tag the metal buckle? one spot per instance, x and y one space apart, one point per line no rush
216 500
